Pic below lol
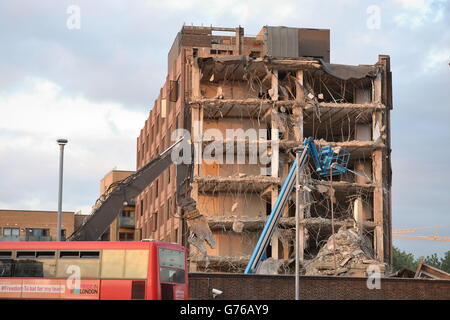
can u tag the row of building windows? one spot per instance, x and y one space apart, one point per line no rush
29 234
154 190
224 52
165 212
148 148
147 139
147 231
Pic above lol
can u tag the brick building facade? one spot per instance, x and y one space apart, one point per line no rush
30 225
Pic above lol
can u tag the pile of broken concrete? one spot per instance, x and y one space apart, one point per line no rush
352 256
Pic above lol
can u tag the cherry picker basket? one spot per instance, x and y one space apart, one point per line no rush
337 156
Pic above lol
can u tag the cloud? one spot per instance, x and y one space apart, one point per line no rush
101 136
437 58
419 12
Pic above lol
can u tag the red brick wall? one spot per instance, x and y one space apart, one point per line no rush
262 287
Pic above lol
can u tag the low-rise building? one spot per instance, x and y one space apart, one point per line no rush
31 225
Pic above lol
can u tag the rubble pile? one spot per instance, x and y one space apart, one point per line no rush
353 256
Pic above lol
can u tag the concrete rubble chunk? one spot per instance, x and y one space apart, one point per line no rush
238 226
270 266
353 255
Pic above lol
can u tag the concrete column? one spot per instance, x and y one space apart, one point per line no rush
275 162
377 171
274 89
197 137
196 76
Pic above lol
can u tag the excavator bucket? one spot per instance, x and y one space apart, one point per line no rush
199 231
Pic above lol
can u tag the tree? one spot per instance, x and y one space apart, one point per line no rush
433 261
445 262
403 259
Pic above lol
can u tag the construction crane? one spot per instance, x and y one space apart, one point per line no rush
400 234
327 161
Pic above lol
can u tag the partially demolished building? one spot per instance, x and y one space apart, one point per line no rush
239 95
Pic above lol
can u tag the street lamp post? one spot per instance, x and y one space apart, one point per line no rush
62 143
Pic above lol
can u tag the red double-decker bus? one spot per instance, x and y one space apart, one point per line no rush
147 270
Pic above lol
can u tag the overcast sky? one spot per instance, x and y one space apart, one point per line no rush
95 86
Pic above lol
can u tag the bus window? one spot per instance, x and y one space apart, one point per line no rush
30 264
89 268
171 275
171 258
5 254
45 254
26 254
172 265
25 265
6 264
69 254
90 254
113 264
136 264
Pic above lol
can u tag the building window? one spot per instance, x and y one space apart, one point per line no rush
163 213
169 207
126 236
139 158
142 208
125 213
157 188
173 90
37 234
153 133
157 125
155 221
11 232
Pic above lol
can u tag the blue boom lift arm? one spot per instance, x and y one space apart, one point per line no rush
323 162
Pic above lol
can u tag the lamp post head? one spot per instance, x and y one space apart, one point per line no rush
62 142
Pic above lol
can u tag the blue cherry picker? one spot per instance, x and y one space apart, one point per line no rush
327 161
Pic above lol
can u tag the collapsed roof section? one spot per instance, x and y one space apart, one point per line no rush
216 68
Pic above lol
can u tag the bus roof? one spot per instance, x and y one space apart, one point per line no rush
85 245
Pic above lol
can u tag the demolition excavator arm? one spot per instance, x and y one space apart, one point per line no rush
110 204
